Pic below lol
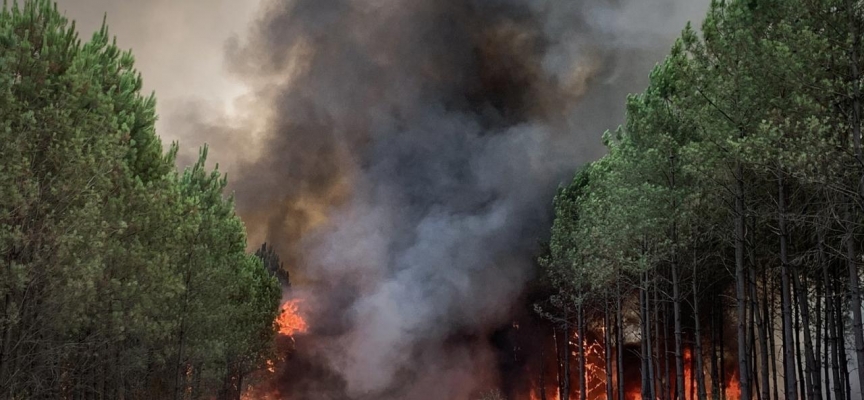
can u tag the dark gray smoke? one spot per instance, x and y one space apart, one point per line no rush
401 155
409 153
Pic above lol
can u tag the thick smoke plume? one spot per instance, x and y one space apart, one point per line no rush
401 155
408 154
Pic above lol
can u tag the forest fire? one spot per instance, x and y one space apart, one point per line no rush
290 322
542 376
548 383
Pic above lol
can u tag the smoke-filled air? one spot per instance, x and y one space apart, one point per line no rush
406 155
431 199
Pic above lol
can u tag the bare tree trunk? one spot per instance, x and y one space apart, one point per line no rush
829 312
619 339
771 342
580 322
740 283
643 322
763 327
833 343
676 302
647 348
666 378
817 341
716 381
565 380
841 350
854 285
751 324
788 341
799 368
697 353
659 378
814 390
722 355
607 345
542 374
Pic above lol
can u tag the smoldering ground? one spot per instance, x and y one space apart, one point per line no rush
401 155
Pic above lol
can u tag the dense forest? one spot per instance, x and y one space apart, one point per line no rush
722 233
120 277
719 241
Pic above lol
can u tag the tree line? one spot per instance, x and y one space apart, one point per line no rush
725 220
120 277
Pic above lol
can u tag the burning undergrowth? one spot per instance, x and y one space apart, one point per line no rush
405 156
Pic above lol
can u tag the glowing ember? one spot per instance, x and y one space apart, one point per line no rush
289 321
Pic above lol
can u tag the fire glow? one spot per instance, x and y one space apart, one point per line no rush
596 377
290 322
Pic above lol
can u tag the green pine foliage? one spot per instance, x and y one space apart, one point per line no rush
730 198
119 276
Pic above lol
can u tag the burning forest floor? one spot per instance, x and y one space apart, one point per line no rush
534 357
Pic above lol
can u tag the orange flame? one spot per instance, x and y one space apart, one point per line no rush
290 322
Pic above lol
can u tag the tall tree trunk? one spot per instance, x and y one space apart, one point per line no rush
751 324
580 322
542 374
643 324
833 342
607 346
619 339
565 380
697 353
817 341
740 283
649 389
852 254
659 386
829 312
676 303
814 390
723 376
763 327
788 341
845 377
716 381
799 367
770 294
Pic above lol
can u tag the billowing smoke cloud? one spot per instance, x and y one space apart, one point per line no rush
401 155
410 151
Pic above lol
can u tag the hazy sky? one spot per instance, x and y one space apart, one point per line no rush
178 45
